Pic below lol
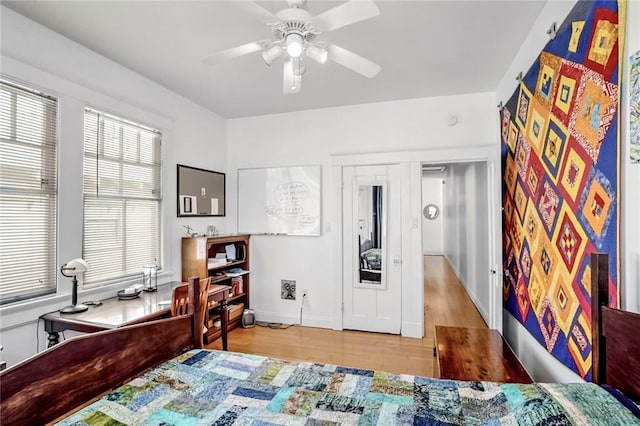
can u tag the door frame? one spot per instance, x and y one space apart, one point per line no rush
412 323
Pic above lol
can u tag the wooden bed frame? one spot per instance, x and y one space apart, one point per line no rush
80 370
616 346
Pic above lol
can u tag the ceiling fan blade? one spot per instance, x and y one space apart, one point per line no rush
258 12
352 61
234 52
347 13
291 82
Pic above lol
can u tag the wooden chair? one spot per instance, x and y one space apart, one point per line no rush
180 305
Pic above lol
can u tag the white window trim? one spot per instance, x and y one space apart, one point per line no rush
50 175
129 277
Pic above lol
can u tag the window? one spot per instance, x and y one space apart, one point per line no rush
122 167
28 192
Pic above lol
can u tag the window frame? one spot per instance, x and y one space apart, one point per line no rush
47 197
128 274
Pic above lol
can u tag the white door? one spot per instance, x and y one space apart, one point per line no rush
494 207
372 248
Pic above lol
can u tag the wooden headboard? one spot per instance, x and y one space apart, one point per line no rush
616 345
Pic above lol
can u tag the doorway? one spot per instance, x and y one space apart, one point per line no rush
465 222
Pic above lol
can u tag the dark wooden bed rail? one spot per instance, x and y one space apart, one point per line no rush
68 375
616 336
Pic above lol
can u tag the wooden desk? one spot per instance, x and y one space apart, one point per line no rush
114 313
476 354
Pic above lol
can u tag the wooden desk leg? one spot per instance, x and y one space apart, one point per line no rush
54 336
3 364
224 320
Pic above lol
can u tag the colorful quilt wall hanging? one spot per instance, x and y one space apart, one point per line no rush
560 167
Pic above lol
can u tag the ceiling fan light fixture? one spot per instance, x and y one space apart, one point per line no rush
318 54
294 45
297 83
271 54
296 64
291 81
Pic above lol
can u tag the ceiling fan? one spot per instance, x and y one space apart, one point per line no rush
294 33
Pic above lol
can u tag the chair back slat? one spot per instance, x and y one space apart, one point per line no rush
180 305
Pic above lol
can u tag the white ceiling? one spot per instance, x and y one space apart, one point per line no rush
425 48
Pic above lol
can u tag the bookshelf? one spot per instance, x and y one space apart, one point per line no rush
207 257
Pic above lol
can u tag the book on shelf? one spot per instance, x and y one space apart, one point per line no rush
230 250
237 285
219 260
240 252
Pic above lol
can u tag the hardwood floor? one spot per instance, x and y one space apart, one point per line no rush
446 303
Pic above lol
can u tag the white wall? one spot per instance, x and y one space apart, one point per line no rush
343 136
541 365
454 226
479 218
78 77
432 229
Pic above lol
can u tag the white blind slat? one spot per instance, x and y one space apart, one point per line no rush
28 193
122 197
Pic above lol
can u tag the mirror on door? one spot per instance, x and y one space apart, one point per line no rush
371 235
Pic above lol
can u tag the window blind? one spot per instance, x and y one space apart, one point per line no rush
122 196
28 191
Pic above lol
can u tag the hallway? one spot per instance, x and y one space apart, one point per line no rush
446 301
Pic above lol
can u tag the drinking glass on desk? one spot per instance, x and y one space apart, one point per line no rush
150 277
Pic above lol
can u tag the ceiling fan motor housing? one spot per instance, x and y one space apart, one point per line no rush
295 21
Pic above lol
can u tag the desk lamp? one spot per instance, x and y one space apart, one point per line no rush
73 268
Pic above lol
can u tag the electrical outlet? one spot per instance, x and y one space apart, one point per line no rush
288 289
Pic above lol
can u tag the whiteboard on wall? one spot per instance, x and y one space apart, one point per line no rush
279 200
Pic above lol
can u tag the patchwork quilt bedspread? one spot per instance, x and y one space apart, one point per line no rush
226 388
